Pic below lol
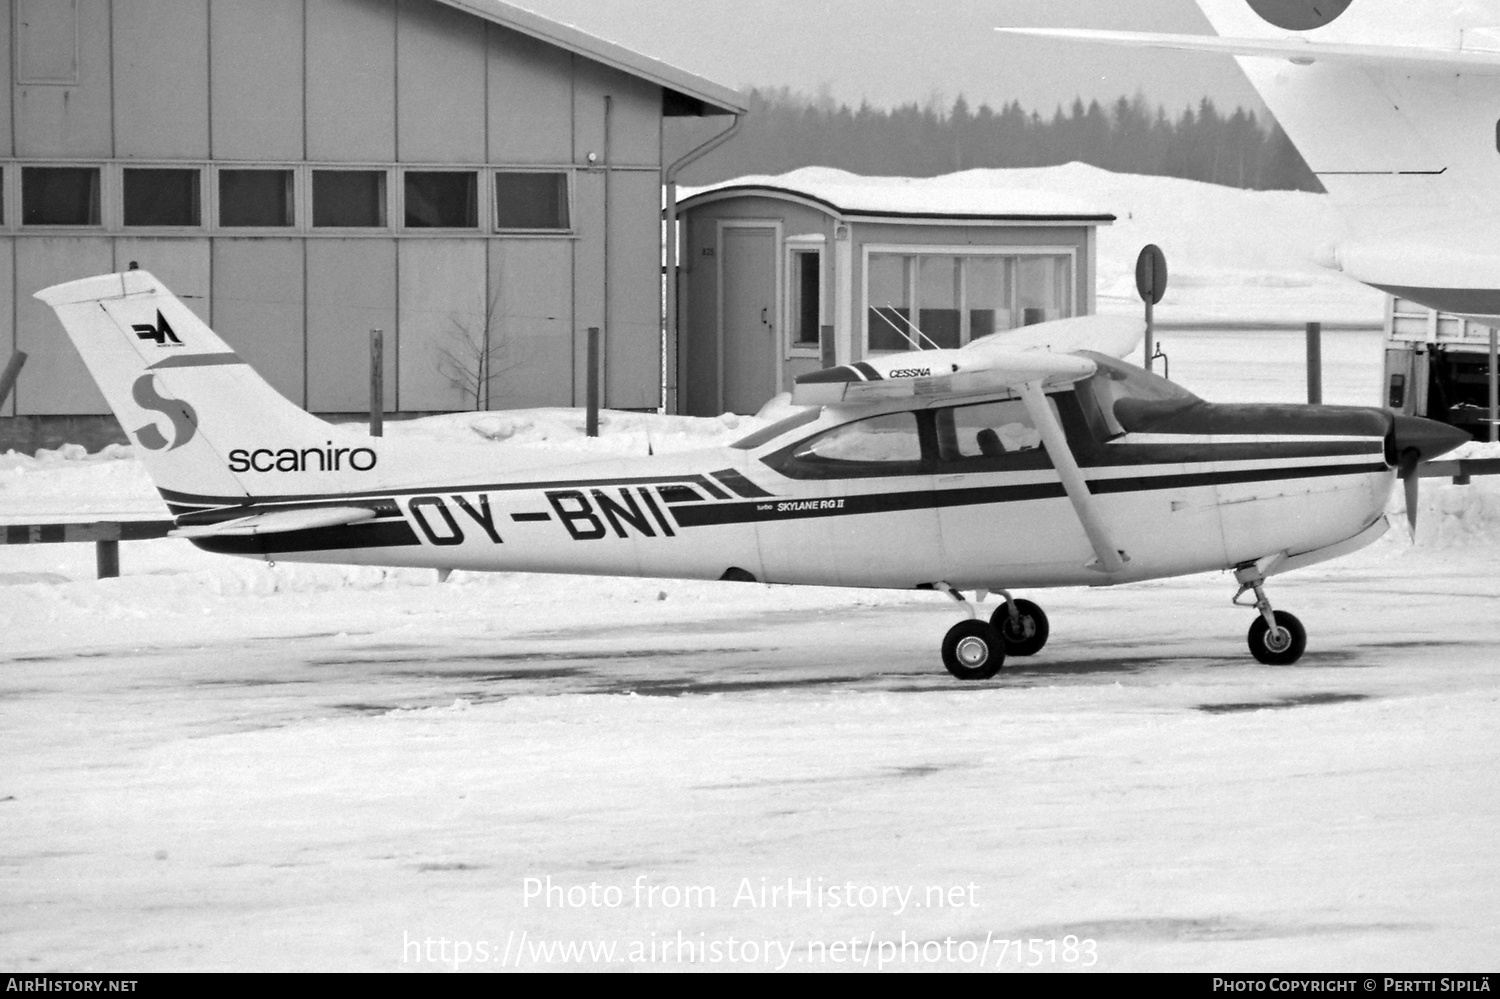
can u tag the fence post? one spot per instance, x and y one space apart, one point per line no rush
377 383
593 382
12 371
107 559
1315 364
1494 385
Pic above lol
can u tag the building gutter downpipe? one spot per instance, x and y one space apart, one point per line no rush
669 181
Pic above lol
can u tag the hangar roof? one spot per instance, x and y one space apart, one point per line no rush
684 93
971 196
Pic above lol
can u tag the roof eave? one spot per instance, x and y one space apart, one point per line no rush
869 215
699 95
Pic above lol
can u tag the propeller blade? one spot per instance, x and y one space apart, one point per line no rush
1410 483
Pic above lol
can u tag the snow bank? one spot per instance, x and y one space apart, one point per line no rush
1231 254
1450 516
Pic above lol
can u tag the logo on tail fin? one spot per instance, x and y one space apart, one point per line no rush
1299 15
161 332
184 418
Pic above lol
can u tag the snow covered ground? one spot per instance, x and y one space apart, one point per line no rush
211 763
1232 255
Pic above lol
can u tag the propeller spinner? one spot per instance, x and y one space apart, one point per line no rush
1412 441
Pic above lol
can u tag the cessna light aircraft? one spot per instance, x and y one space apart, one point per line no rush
1027 458
1393 104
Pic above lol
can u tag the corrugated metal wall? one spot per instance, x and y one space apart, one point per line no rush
381 84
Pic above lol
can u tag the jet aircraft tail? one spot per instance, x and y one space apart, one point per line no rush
207 426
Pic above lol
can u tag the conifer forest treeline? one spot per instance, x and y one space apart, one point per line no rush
786 129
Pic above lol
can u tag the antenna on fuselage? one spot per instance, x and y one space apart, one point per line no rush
906 336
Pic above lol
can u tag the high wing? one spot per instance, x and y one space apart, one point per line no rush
1042 354
1026 361
1304 52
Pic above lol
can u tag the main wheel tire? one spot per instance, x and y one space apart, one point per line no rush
1280 648
1027 635
973 650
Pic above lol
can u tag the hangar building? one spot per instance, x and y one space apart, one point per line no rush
302 171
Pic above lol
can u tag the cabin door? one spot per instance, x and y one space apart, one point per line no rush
747 320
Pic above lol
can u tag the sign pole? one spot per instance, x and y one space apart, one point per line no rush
377 383
1151 284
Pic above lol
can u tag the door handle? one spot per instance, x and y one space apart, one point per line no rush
763 316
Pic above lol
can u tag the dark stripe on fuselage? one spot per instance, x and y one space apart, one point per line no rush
921 499
734 480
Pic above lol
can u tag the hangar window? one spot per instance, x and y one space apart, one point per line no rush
60 196
255 198
535 201
348 199
442 199
161 197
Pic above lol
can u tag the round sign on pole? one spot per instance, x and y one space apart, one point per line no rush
1151 274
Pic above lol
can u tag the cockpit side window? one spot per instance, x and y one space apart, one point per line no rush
878 445
988 430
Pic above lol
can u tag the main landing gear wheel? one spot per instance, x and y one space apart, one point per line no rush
973 650
1279 647
1025 635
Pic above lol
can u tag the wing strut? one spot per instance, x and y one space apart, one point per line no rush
1110 559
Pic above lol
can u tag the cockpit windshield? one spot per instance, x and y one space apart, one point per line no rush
767 434
1127 395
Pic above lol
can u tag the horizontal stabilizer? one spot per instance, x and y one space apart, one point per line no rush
1043 353
1405 58
278 522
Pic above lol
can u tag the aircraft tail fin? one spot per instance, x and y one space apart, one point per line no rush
1389 102
208 428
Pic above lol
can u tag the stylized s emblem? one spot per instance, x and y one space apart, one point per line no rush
184 418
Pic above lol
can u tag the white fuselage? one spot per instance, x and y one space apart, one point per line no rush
728 513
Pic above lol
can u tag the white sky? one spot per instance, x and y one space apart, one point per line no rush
894 51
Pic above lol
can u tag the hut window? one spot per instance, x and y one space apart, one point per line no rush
806 294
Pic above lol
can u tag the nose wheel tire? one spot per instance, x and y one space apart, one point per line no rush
1026 635
1281 647
973 650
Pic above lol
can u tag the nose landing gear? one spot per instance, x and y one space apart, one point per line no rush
1276 638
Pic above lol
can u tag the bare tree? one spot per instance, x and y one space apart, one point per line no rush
472 354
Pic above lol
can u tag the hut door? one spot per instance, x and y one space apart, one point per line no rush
747 262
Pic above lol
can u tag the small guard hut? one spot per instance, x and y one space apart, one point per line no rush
784 275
